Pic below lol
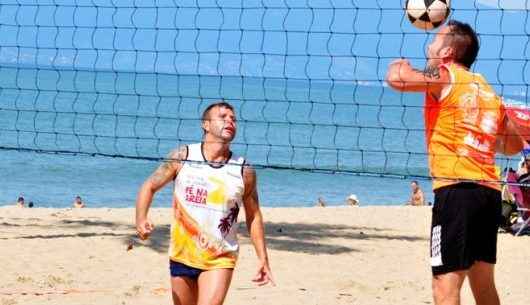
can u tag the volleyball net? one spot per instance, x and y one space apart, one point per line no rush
130 79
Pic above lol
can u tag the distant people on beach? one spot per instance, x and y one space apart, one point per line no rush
352 200
78 202
20 202
416 197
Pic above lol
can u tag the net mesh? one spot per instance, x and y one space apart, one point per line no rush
130 79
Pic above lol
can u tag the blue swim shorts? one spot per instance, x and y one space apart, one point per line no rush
179 269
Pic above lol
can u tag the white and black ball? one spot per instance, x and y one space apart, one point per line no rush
427 14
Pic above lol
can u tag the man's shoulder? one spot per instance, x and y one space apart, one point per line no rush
179 153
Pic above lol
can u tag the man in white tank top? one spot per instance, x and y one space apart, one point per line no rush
210 185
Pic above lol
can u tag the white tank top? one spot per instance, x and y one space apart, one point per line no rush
207 198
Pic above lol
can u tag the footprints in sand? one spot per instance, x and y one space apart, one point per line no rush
53 281
24 279
8 302
134 291
49 281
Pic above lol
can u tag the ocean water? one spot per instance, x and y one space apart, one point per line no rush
54 181
300 135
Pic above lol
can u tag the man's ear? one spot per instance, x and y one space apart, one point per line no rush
206 125
447 53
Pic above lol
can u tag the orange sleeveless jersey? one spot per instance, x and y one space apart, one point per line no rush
461 130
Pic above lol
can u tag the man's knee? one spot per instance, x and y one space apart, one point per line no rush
446 287
481 276
482 282
442 292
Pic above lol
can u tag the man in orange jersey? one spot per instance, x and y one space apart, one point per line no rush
210 185
465 126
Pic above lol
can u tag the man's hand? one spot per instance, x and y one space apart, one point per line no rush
397 73
401 64
144 228
264 275
399 68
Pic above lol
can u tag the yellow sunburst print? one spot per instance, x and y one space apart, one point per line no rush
218 195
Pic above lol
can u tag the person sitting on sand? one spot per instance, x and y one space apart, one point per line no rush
352 200
416 198
78 203
20 202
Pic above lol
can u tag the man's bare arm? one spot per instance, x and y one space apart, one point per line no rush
402 77
508 141
166 172
254 221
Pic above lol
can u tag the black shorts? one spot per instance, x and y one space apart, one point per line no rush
465 221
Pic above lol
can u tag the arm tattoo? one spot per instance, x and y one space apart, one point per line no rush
431 72
169 165
178 155
158 176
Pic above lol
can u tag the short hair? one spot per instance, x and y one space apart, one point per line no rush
206 112
464 41
415 182
222 104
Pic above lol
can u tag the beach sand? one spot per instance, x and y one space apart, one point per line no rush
332 255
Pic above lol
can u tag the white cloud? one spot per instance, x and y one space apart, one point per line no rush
506 4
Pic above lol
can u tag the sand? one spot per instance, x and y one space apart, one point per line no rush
331 255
